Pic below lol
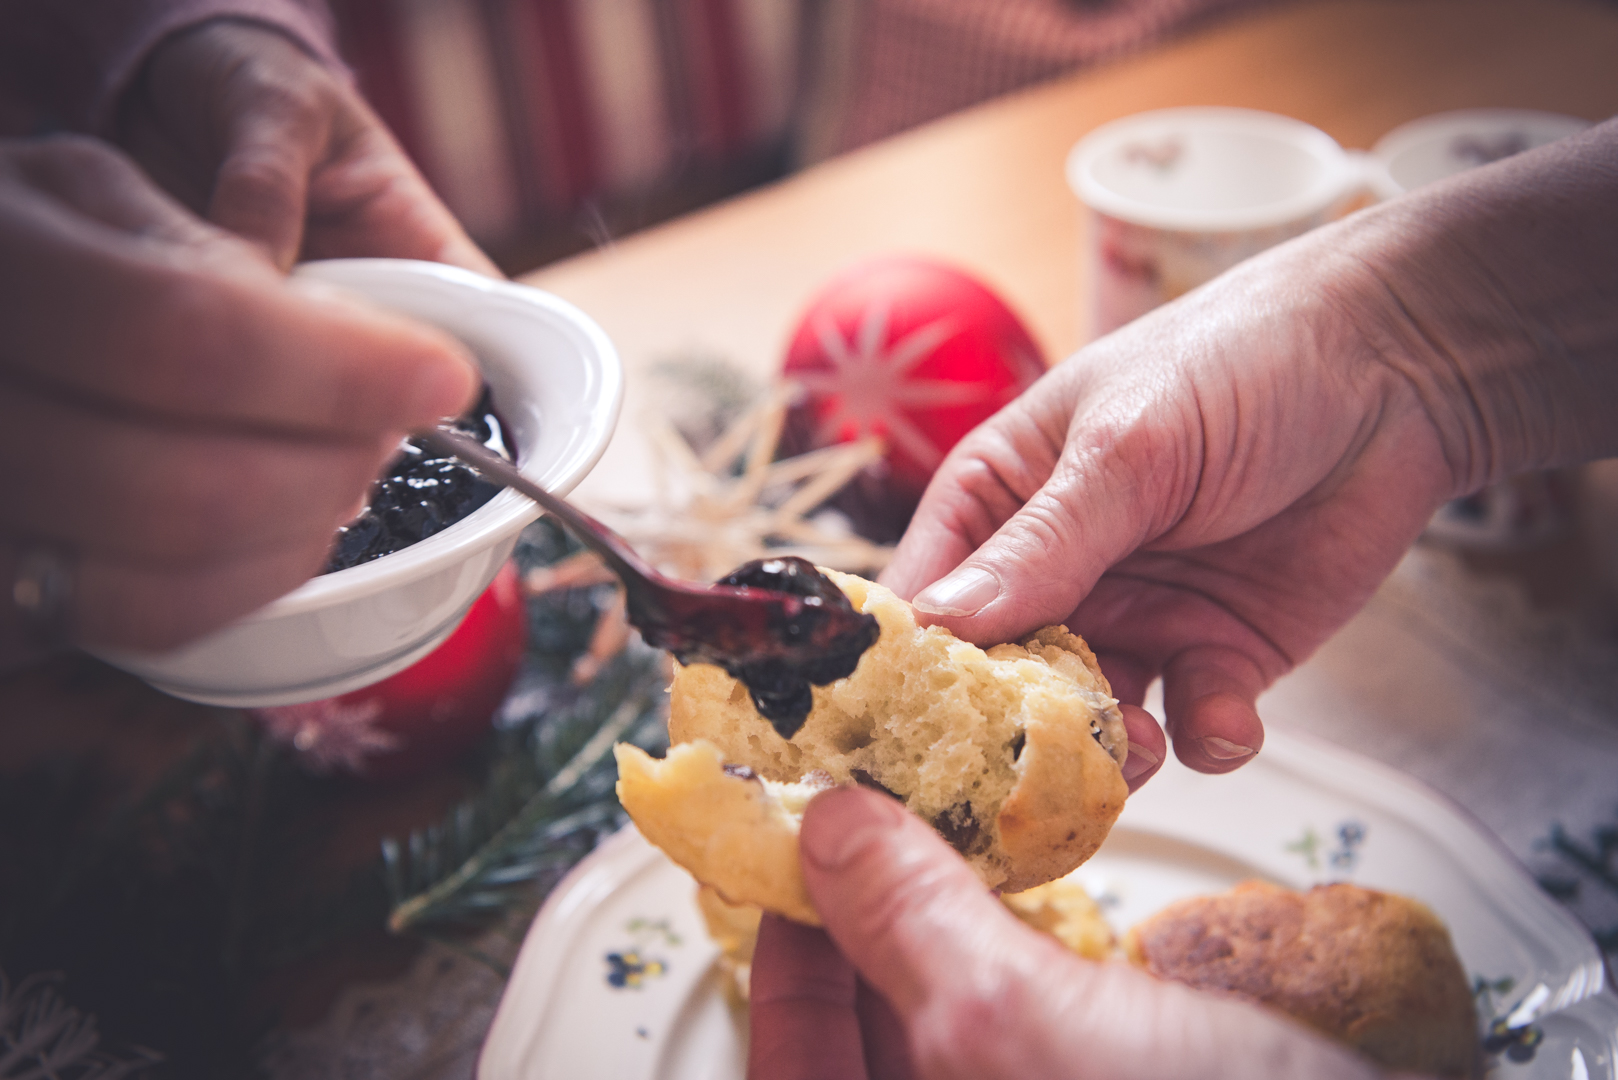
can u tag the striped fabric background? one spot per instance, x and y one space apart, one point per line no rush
523 113
549 125
881 66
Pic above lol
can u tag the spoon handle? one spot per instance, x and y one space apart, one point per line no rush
637 576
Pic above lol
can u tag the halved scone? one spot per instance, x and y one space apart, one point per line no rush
1013 754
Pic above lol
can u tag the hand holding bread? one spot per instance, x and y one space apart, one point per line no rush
921 972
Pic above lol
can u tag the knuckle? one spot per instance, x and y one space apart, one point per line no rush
138 610
990 488
74 149
995 473
138 604
290 96
1044 524
196 517
1142 448
263 177
883 911
811 989
71 161
904 889
191 342
953 1033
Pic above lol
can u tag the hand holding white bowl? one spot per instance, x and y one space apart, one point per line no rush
557 385
186 428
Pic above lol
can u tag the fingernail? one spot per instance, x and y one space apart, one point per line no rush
962 592
1224 749
844 823
1139 760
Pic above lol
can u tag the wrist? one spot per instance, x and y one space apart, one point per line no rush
1492 297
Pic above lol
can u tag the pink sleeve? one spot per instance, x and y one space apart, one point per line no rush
74 58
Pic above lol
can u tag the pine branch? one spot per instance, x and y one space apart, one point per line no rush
543 810
44 1038
167 909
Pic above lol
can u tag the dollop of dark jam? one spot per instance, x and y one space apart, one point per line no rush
814 643
421 494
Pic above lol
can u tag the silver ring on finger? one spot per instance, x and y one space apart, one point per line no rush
42 593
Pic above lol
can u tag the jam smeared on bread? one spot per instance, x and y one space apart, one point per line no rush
423 493
815 642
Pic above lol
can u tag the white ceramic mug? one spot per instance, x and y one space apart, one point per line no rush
1178 196
1439 146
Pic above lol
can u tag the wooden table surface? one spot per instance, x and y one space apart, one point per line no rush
985 187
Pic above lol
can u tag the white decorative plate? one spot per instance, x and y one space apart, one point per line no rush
617 980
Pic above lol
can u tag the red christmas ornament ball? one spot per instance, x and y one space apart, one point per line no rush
910 350
426 714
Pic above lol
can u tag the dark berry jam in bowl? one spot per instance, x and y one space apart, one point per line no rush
421 493
555 386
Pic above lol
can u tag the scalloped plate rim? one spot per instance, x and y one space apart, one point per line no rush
512 1051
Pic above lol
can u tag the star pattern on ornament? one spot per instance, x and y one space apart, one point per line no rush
332 734
870 385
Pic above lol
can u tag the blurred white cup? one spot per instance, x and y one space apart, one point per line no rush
1178 196
1439 146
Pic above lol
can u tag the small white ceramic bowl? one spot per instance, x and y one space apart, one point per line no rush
556 382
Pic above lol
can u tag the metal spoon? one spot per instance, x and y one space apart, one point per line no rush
776 641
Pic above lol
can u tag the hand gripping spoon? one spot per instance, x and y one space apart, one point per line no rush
778 625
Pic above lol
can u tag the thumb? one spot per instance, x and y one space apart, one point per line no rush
983 996
959 971
1036 557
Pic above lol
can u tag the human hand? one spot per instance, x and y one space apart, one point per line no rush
179 417
1204 495
941 981
244 127
1210 492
